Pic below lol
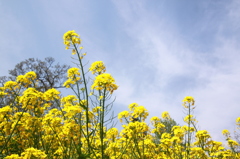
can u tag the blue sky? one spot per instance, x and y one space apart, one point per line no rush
158 51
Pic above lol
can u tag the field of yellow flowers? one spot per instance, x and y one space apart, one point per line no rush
79 126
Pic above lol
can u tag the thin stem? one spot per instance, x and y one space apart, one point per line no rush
86 93
102 122
189 136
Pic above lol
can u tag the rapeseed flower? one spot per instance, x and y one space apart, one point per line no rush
155 119
73 72
225 132
123 114
71 38
31 75
165 115
51 94
97 67
189 119
11 85
73 77
141 112
26 79
112 133
33 153
104 81
189 99
238 121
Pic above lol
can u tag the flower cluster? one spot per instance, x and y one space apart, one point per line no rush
29 153
104 81
188 101
71 38
35 131
97 67
27 79
73 77
136 113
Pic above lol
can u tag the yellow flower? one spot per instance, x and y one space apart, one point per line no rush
31 98
73 51
238 121
71 110
11 85
186 128
155 118
226 132
190 118
51 94
165 115
83 103
141 112
96 109
202 134
112 133
68 83
26 79
13 156
189 99
104 81
5 110
156 121
31 75
2 93
132 106
20 78
123 114
232 143
32 152
71 38
71 99
72 72
97 67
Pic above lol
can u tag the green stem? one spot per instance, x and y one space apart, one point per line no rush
189 136
102 122
86 93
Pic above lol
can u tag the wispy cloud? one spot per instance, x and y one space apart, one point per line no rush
179 67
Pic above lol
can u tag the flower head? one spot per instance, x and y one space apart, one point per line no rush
73 77
71 38
97 67
11 85
238 121
225 132
165 115
31 75
188 99
104 81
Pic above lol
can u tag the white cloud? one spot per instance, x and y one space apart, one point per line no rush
215 74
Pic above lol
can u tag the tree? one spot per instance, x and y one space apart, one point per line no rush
49 74
168 124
